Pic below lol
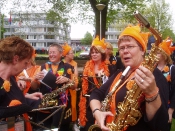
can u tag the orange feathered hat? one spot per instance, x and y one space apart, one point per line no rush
99 43
166 46
66 49
135 32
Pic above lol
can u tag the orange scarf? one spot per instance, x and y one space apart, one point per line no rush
109 119
89 71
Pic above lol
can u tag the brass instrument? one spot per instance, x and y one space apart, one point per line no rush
107 100
106 103
128 112
48 99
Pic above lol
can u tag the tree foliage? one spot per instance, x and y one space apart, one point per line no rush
87 40
86 11
69 11
112 10
81 10
2 30
160 18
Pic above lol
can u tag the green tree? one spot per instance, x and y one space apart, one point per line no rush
168 33
160 18
2 30
114 9
85 10
87 40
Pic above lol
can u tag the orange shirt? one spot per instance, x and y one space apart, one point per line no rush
31 73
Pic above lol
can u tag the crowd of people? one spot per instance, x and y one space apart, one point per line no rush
23 86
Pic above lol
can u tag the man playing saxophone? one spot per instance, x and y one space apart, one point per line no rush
152 103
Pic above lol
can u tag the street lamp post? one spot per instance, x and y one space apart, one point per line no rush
100 7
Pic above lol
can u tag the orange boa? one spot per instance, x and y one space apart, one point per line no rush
88 71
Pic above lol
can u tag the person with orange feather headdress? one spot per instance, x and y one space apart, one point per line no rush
165 65
151 107
94 71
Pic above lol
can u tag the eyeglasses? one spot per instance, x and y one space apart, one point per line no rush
129 48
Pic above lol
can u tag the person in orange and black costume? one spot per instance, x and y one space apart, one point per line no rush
68 55
95 69
154 88
15 55
114 62
165 65
63 72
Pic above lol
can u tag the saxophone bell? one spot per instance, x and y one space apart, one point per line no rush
94 128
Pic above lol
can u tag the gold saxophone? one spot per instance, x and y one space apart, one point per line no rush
128 112
48 99
105 105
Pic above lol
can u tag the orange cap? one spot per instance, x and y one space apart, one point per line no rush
66 49
99 43
135 32
166 46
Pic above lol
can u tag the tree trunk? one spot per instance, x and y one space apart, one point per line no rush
97 18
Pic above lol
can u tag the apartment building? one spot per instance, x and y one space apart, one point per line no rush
114 30
37 30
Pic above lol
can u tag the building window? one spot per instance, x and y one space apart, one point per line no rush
50 29
49 43
39 44
45 30
49 37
